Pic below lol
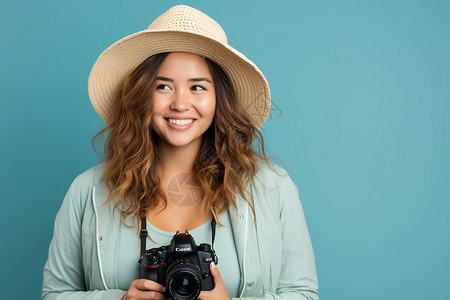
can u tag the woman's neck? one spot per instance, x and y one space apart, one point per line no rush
176 160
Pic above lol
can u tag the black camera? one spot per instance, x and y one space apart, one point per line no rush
182 267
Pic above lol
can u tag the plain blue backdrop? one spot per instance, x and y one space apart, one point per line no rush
360 119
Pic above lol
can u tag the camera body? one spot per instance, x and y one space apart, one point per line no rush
182 267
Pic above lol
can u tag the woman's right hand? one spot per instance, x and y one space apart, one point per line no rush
144 289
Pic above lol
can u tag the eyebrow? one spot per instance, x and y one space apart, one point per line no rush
191 79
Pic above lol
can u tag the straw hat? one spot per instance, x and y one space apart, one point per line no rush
179 29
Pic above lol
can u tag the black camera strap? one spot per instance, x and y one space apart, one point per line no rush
144 234
213 231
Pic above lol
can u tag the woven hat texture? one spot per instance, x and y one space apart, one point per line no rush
179 29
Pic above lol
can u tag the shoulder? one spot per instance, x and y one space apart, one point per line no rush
271 175
80 190
273 186
90 177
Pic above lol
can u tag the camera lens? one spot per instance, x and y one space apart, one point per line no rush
184 281
184 285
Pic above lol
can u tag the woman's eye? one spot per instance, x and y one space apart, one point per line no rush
198 88
163 87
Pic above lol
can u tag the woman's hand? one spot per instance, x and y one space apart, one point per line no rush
144 289
218 292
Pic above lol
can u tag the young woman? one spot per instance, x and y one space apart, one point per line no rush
183 110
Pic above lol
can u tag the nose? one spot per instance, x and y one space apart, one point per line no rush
181 100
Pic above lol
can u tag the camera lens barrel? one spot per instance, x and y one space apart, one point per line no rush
184 281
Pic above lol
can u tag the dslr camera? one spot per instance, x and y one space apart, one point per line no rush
182 267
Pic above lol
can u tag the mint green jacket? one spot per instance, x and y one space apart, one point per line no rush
274 251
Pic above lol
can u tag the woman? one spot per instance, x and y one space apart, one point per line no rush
183 109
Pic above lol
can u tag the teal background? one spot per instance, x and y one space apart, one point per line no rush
361 94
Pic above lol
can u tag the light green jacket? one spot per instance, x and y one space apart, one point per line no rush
275 252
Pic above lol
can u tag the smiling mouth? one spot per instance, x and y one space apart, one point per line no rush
180 121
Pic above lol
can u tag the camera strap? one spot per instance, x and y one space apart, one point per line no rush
144 234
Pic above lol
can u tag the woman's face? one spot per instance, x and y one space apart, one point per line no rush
184 100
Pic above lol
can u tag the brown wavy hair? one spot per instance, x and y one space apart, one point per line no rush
226 163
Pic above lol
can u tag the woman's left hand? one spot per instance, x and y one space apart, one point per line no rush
218 292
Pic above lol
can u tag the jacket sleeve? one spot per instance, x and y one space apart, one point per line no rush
63 272
298 278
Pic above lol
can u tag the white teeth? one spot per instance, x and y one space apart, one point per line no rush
181 122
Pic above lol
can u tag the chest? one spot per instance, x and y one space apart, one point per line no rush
180 212
257 245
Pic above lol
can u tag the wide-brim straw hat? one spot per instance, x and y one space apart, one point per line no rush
179 29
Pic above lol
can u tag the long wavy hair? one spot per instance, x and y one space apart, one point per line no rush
226 162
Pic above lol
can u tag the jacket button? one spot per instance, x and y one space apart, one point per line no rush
241 216
250 284
101 238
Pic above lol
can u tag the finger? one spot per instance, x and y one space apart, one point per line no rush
148 285
218 283
135 294
216 275
219 291
150 295
204 295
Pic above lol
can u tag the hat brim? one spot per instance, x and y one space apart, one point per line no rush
126 54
